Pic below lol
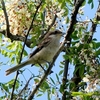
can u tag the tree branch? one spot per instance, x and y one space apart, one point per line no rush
77 79
73 18
67 36
28 41
69 32
94 25
26 85
7 31
46 73
17 38
6 18
17 73
65 74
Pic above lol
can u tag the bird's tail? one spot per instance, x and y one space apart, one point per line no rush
17 67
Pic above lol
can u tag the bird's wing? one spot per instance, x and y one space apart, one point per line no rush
44 43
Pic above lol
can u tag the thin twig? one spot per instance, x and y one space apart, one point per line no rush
26 85
13 88
24 47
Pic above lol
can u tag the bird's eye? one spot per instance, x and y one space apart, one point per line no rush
56 31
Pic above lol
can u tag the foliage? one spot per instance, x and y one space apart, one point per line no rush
83 53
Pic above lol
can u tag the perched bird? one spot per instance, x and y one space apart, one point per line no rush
44 52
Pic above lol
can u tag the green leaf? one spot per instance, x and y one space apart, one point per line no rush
83 4
90 1
0 37
57 77
11 82
74 35
61 88
71 85
97 53
39 95
17 84
42 16
81 94
63 4
11 46
52 80
49 94
66 57
19 45
65 14
36 80
81 71
96 45
13 60
94 39
92 5
4 52
53 90
61 71
25 53
76 93
44 86
76 69
4 87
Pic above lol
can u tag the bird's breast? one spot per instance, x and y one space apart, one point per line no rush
46 54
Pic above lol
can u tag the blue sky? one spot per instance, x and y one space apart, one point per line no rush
88 12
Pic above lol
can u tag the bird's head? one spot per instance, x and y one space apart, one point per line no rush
54 34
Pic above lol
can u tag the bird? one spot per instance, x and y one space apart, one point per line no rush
44 52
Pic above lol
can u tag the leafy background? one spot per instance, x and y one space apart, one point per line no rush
52 88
